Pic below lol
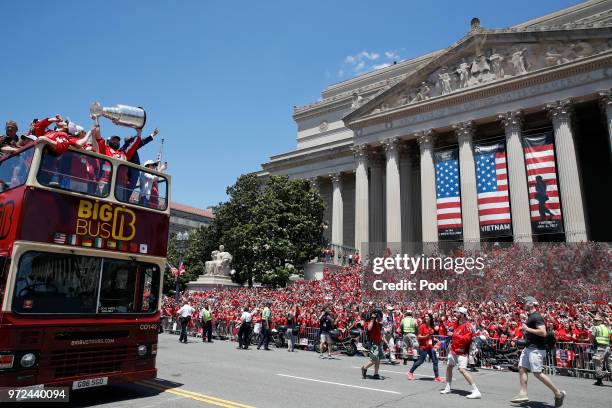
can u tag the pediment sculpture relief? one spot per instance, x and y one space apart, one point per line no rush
490 65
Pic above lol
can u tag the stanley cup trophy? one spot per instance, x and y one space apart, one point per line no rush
121 115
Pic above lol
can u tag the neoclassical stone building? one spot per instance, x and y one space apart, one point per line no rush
505 135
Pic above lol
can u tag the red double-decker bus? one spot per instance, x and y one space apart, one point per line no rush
83 240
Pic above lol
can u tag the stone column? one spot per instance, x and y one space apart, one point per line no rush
362 232
393 196
337 209
605 98
567 164
429 212
376 199
517 176
469 199
407 183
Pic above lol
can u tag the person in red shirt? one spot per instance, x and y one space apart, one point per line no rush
374 328
424 336
460 346
60 139
112 147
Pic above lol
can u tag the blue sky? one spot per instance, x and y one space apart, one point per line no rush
218 78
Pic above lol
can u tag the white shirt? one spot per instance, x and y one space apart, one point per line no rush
186 311
246 317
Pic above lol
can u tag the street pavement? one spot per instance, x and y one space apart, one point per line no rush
201 374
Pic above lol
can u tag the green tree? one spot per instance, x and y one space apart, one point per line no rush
270 230
289 223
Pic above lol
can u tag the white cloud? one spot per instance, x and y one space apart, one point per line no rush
392 55
365 61
379 66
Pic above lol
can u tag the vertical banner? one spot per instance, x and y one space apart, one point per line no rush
544 202
448 195
492 187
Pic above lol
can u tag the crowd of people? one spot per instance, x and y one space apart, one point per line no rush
570 297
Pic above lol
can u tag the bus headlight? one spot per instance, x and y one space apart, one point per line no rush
28 360
142 350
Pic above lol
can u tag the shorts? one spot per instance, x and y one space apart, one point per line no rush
376 352
457 360
532 359
326 338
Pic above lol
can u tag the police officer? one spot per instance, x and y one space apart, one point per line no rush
600 335
184 314
266 320
207 324
244 333
408 326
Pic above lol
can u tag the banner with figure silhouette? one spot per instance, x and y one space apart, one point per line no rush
544 200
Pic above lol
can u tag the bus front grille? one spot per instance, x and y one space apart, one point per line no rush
91 360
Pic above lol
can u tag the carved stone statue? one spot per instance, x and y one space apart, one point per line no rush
463 71
496 65
357 100
444 83
518 62
219 265
423 93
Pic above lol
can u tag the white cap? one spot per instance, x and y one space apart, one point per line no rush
74 129
462 310
148 163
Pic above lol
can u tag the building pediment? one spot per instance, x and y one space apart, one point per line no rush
484 57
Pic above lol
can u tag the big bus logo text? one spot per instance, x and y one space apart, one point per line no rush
104 221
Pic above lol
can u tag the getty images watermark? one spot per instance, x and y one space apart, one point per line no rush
405 266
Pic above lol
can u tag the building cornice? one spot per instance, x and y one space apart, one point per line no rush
532 78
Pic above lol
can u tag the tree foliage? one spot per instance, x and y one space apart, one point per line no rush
271 230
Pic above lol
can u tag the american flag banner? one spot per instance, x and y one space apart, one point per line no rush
492 188
448 195
544 203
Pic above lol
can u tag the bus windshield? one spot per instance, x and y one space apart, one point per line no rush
74 284
74 171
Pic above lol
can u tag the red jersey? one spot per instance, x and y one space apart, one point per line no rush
462 338
375 335
425 344
63 140
119 154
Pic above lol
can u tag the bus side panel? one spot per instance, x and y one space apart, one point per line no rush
10 211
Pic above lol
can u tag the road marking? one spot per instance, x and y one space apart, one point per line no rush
399 372
193 395
341 384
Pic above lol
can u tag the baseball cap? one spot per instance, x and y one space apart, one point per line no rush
148 163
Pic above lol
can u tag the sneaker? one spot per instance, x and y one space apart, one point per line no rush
439 379
518 398
405 361
376 377
446 390
410 376
559 399
598 383
363 372
474 395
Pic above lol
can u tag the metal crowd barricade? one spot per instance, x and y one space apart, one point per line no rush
573 359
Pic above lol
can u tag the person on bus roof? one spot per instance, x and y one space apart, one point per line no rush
64 135
111 147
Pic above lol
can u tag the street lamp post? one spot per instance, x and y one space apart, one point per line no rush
181 241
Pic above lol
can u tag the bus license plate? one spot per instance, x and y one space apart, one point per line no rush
91 382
